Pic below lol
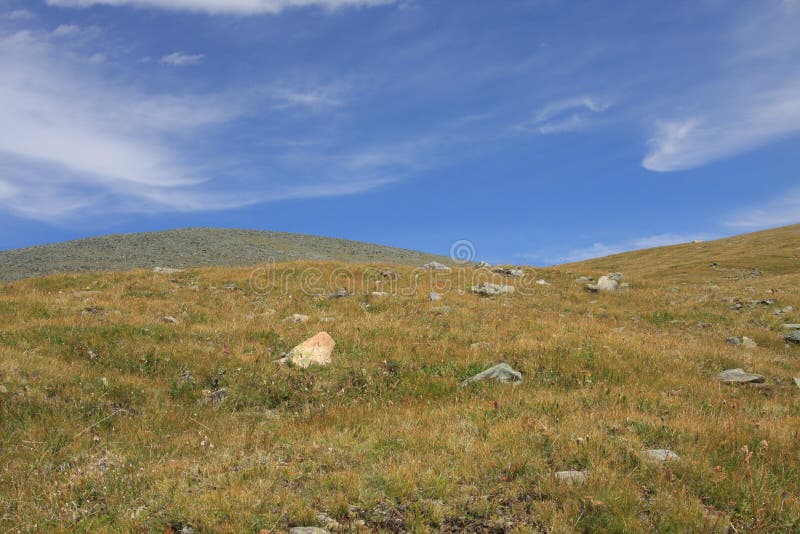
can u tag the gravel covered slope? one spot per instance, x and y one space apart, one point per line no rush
193 247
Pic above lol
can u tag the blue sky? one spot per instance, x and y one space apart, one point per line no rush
541 130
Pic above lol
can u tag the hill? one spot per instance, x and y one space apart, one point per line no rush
194 247
771 252
144 402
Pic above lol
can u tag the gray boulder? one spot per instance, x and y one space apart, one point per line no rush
739 376
660 455
572 477
436 266
604 284
502 372
487 289
793 336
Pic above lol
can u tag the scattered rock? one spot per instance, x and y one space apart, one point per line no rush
615 276
308 530
315 350
604 284
543 282
584 280
434 296
298 318
214 396
704 325
487 289
502 372
166 270
743 341
328 522
326 319
339 293
379 294
436 266
785 309
482 265
572 477
660 455
170 319
796 381
510 271
739 376
793 336
389 274
791 326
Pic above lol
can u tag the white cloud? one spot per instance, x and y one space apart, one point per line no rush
566 115
754 101
180 59
19 14
233 7
599 249
65 30
780 211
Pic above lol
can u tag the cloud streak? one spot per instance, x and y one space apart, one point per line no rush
226 7
566 115
181 59
753 101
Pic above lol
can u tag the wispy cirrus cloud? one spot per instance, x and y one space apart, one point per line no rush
231 7
599 249
567 115
780 211
753 100
181 59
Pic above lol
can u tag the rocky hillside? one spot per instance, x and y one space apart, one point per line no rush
193 247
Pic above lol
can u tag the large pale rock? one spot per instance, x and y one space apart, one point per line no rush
659 455
739 376
436 266
572 477
487 289
604 284
502 372
315 350
793 336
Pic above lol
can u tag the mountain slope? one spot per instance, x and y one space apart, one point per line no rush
194 247
772 252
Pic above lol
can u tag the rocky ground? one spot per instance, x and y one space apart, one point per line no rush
193 247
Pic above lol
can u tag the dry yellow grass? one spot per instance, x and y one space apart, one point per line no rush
104 427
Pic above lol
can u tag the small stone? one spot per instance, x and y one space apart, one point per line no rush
749 343
389 274
379 294
791 326
660 455
214 396
572 477
584 279
308 530
510 271
543 282
328 522
487 289
434 296
615 276
739 376
4 390
502 372
482 265
298 318
796 381
166 270
339 293
436 266
315 350
170 319
733 340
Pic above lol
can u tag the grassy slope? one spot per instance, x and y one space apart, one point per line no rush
774 252
193 247
100 430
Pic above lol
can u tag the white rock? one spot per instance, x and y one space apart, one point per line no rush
379 294
436 266
572 477
166 270
660 455
502 372
739 376
487 289
298 318
170 319
543 282
434 296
